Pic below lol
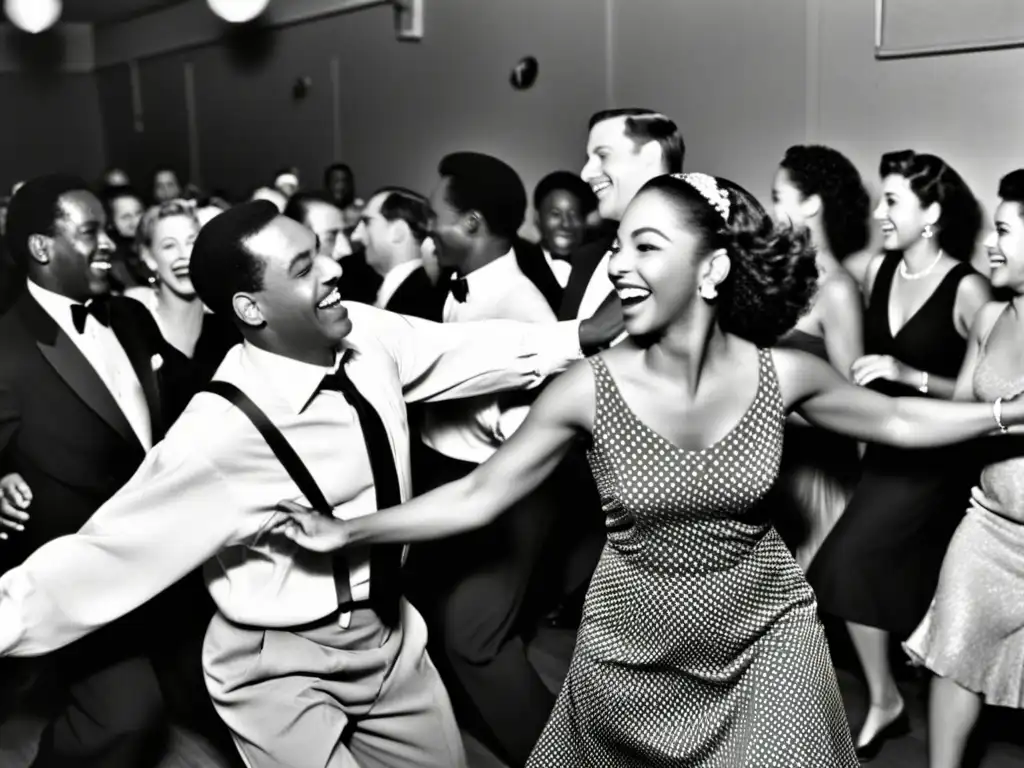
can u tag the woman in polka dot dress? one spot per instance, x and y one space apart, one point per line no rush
700 644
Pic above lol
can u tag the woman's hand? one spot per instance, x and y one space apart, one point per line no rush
15 497
867 368
310 529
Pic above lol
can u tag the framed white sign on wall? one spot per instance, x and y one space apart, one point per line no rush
931 27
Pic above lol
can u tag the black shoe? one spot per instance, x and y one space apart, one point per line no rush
898 727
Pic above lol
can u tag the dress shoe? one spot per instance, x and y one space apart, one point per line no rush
898 727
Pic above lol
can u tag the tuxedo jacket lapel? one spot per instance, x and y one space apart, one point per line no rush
584 262
60 352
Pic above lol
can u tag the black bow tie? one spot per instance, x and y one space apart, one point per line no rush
98 308
459 288
566 257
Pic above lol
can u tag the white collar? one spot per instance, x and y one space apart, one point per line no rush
292 381
55 304
493 274
394 278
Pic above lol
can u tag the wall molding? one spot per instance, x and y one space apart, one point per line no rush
195 25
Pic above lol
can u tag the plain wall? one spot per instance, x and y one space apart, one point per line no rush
50 116
402 105
744 80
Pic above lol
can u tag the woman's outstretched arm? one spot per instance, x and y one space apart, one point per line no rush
563 411
816 391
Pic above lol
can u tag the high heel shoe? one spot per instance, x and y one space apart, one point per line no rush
898 727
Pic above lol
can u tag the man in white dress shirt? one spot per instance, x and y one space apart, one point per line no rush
303 664
473 590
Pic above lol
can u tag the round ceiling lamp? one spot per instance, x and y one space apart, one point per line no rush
238 11
33 16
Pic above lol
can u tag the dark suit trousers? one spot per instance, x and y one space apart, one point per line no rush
105 703
475 590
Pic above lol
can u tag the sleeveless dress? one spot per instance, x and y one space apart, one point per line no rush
880 564
973 633
700 643
818 474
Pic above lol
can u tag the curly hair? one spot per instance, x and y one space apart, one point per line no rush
933 181
845 205
773 274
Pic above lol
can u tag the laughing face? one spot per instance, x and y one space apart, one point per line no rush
900 214
560 221
1005 247
299 305
80 249
655 264
169 251
616 167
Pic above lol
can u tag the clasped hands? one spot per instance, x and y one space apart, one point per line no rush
15 498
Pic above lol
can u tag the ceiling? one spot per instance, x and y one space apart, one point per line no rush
110 11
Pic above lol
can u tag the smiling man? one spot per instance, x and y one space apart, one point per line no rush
79 408
310 661
626 148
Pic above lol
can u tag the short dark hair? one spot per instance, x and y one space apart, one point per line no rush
482 183
111 193
1011 187
934 181
298 205
222 264
569 182
846 206
645 125
343 167
773 275
33 211
411 207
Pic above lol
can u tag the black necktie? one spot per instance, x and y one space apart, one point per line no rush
98 308
385 559
459 288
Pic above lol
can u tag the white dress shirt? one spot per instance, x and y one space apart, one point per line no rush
473 429
208 492
560 268
100 347
393 280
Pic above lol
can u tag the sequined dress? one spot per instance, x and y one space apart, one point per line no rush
973 632
700 643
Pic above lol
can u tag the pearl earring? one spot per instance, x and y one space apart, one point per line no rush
928 232
707 290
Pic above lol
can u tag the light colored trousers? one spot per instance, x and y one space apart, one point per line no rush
364 696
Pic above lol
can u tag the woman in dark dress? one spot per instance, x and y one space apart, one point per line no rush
700 643
818 189
195 340
879 566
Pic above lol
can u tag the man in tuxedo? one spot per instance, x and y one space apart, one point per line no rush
626 149
79 409
311 660
562 201
474 590
392 228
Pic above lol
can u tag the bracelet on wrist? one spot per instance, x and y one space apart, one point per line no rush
997 414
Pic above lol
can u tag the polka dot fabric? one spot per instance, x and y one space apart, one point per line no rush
700 643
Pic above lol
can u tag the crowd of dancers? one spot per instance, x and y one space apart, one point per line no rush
326 464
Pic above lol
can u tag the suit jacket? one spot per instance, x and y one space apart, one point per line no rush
418 297
531 262
60 428
584 262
